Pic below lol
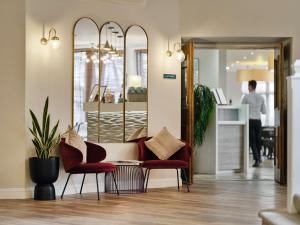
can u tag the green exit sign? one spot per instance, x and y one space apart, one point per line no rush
169 76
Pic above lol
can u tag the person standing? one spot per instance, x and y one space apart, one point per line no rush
256 106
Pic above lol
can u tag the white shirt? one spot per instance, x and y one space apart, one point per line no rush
256 105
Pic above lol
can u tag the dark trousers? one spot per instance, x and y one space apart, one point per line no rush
255 138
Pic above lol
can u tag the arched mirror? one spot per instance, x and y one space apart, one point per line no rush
85 78
136 79
111 111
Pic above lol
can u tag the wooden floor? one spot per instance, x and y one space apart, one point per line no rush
210 202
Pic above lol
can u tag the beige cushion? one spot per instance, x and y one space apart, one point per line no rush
137 134
164 144
73 139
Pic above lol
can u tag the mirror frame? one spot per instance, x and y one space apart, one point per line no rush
73 63
100 69
99 28
126 33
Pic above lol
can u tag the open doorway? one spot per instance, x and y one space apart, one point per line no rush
221 155
228 59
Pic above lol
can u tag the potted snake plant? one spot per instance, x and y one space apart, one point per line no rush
44 167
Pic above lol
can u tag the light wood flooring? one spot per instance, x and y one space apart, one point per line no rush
209 202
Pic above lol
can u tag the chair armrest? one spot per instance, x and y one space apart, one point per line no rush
183 154
95 153
71 157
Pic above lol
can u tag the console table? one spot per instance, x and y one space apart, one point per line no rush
129 177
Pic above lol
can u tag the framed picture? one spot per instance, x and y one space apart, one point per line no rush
94 96
214 91
221 96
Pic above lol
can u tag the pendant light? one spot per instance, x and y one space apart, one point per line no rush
106 45
111 51
119 41
115 39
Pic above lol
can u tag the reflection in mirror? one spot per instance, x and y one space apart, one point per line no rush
85 77
111 83
136 77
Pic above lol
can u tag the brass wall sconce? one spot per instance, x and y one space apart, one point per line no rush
180 56
52 38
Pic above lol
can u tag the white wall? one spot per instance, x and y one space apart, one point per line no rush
12 100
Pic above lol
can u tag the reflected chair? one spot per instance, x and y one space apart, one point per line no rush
72 158
179 160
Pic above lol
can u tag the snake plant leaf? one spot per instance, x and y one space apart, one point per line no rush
52 134
36 123
45 114
46 132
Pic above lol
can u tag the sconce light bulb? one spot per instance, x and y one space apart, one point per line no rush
168 53
55 42
180 55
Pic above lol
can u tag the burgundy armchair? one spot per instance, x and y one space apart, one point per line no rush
179 160
72 161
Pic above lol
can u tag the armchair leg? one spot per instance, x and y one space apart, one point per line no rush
187 182
82 184
97 186
177 180
147 179
62 195
114 177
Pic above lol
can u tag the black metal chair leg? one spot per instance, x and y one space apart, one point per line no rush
114 178
97 186
177 180
186 180
147 180
62 195
82 184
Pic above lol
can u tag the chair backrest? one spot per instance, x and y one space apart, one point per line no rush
71 157
145 154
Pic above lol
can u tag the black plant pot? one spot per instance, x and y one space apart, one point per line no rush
44 172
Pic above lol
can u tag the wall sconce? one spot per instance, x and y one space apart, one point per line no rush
180 56
52 38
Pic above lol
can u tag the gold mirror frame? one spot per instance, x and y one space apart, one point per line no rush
125 70
73 60
99 76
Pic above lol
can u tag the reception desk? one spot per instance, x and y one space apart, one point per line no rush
225 148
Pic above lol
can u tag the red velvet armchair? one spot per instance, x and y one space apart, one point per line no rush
180 160
72 158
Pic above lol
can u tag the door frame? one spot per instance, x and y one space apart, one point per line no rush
188 47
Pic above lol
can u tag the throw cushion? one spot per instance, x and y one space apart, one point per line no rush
73 139
164 144
137 135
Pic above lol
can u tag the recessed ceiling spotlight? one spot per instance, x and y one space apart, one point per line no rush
245 57
237 62
252 53
227 67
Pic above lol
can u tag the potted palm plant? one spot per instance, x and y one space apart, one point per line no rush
44 168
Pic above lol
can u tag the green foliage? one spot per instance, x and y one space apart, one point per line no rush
204 106
44 141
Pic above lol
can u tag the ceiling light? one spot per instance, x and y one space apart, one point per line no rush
237 62
227 68
245 57
252 53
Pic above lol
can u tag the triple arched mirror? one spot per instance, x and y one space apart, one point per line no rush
110 81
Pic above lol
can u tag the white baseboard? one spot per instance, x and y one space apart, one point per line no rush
25 193
15 193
